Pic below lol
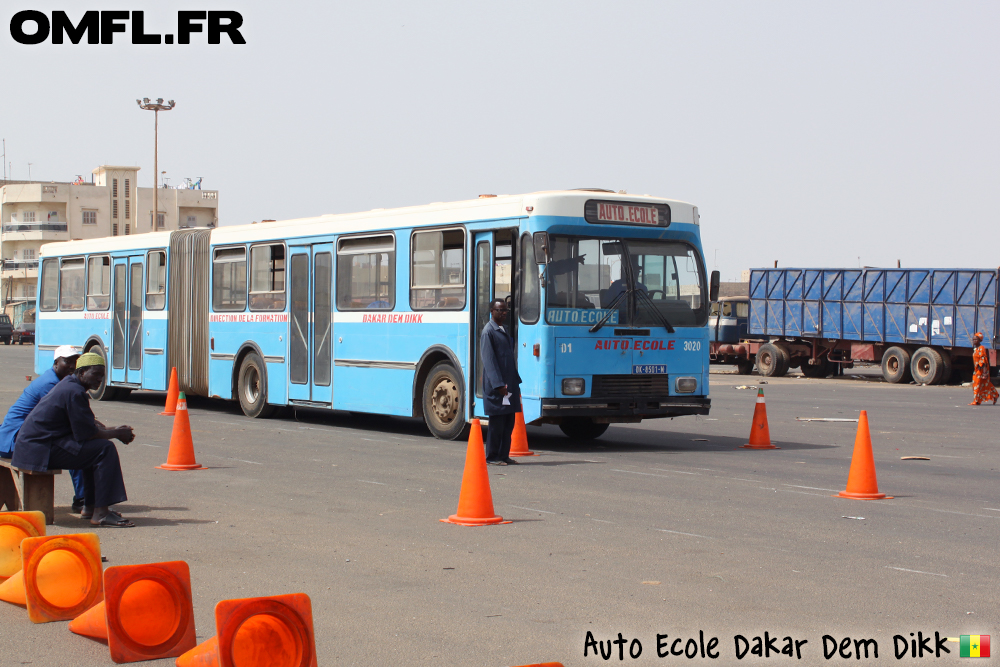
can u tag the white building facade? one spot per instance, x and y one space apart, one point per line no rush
34 213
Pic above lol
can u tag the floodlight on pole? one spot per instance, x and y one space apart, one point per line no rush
156 108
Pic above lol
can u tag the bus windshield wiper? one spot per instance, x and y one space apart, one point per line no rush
607 315
659 315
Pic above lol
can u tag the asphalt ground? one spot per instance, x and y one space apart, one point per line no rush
664 527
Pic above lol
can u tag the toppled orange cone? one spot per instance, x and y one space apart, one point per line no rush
475 501
760 434
172 392
519 438
15 527
181 454
275 630
147 612
60 577
861 481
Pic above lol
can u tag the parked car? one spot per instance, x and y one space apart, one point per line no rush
24 333
6 330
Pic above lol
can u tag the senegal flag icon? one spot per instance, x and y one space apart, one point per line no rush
974 646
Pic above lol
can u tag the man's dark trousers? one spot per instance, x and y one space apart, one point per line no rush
102 472
498 436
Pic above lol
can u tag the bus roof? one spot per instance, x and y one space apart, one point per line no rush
140 242
567 203
555 203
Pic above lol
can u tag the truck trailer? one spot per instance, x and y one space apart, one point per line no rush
918 323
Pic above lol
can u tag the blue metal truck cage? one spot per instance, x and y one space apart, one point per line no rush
917 322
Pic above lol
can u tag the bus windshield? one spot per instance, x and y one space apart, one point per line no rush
662 284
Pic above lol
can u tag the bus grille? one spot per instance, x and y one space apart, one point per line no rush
630 385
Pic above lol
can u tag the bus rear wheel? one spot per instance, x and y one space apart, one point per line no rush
582 428
252 387
443 401
104 392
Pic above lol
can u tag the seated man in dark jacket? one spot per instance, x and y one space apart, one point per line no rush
61 432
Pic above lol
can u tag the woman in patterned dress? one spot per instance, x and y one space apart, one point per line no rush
982 388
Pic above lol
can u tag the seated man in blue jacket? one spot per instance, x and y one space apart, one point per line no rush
62 432
63 363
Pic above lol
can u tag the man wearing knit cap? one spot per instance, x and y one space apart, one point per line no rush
63 363
62 432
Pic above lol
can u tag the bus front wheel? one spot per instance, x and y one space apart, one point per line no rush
582 428
443 401
252 388
104 392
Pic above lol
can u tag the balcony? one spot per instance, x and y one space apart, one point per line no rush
19 268
35 227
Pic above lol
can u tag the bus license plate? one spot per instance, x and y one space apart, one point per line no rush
649 369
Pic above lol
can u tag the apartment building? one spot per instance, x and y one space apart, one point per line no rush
34 213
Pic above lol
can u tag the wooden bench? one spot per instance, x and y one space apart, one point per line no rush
26 490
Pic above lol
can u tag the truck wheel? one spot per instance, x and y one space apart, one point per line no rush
443 402
896 365
820 370
251 387
771 361
6 340
104 392
582 428
927 366
744 366
786 360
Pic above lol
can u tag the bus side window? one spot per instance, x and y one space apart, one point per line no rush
71 284
437 270
229 279
267 277
156 280
366 273
99 283
50 285
530 301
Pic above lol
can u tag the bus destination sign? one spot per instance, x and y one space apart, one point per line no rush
627 213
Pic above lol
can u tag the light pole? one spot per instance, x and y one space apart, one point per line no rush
156 107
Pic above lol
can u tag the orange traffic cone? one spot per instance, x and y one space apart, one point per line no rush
172 390
760 434
861 481
475 502
147 612
14 527
60 577
181 454
274 630
519 438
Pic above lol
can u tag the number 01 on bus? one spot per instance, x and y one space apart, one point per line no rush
381 312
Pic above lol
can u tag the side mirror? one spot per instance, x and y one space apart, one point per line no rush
541 243
713 291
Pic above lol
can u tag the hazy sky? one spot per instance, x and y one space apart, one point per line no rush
809 133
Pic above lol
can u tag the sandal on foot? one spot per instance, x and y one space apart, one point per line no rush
87 513
114 520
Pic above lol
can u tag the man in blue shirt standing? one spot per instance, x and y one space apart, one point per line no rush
63 363
501 385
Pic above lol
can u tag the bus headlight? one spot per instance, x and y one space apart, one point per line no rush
573 386
684 385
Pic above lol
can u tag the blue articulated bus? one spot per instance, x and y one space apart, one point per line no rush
380 312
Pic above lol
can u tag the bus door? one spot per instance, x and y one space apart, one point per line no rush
126 336
494 279
310 325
